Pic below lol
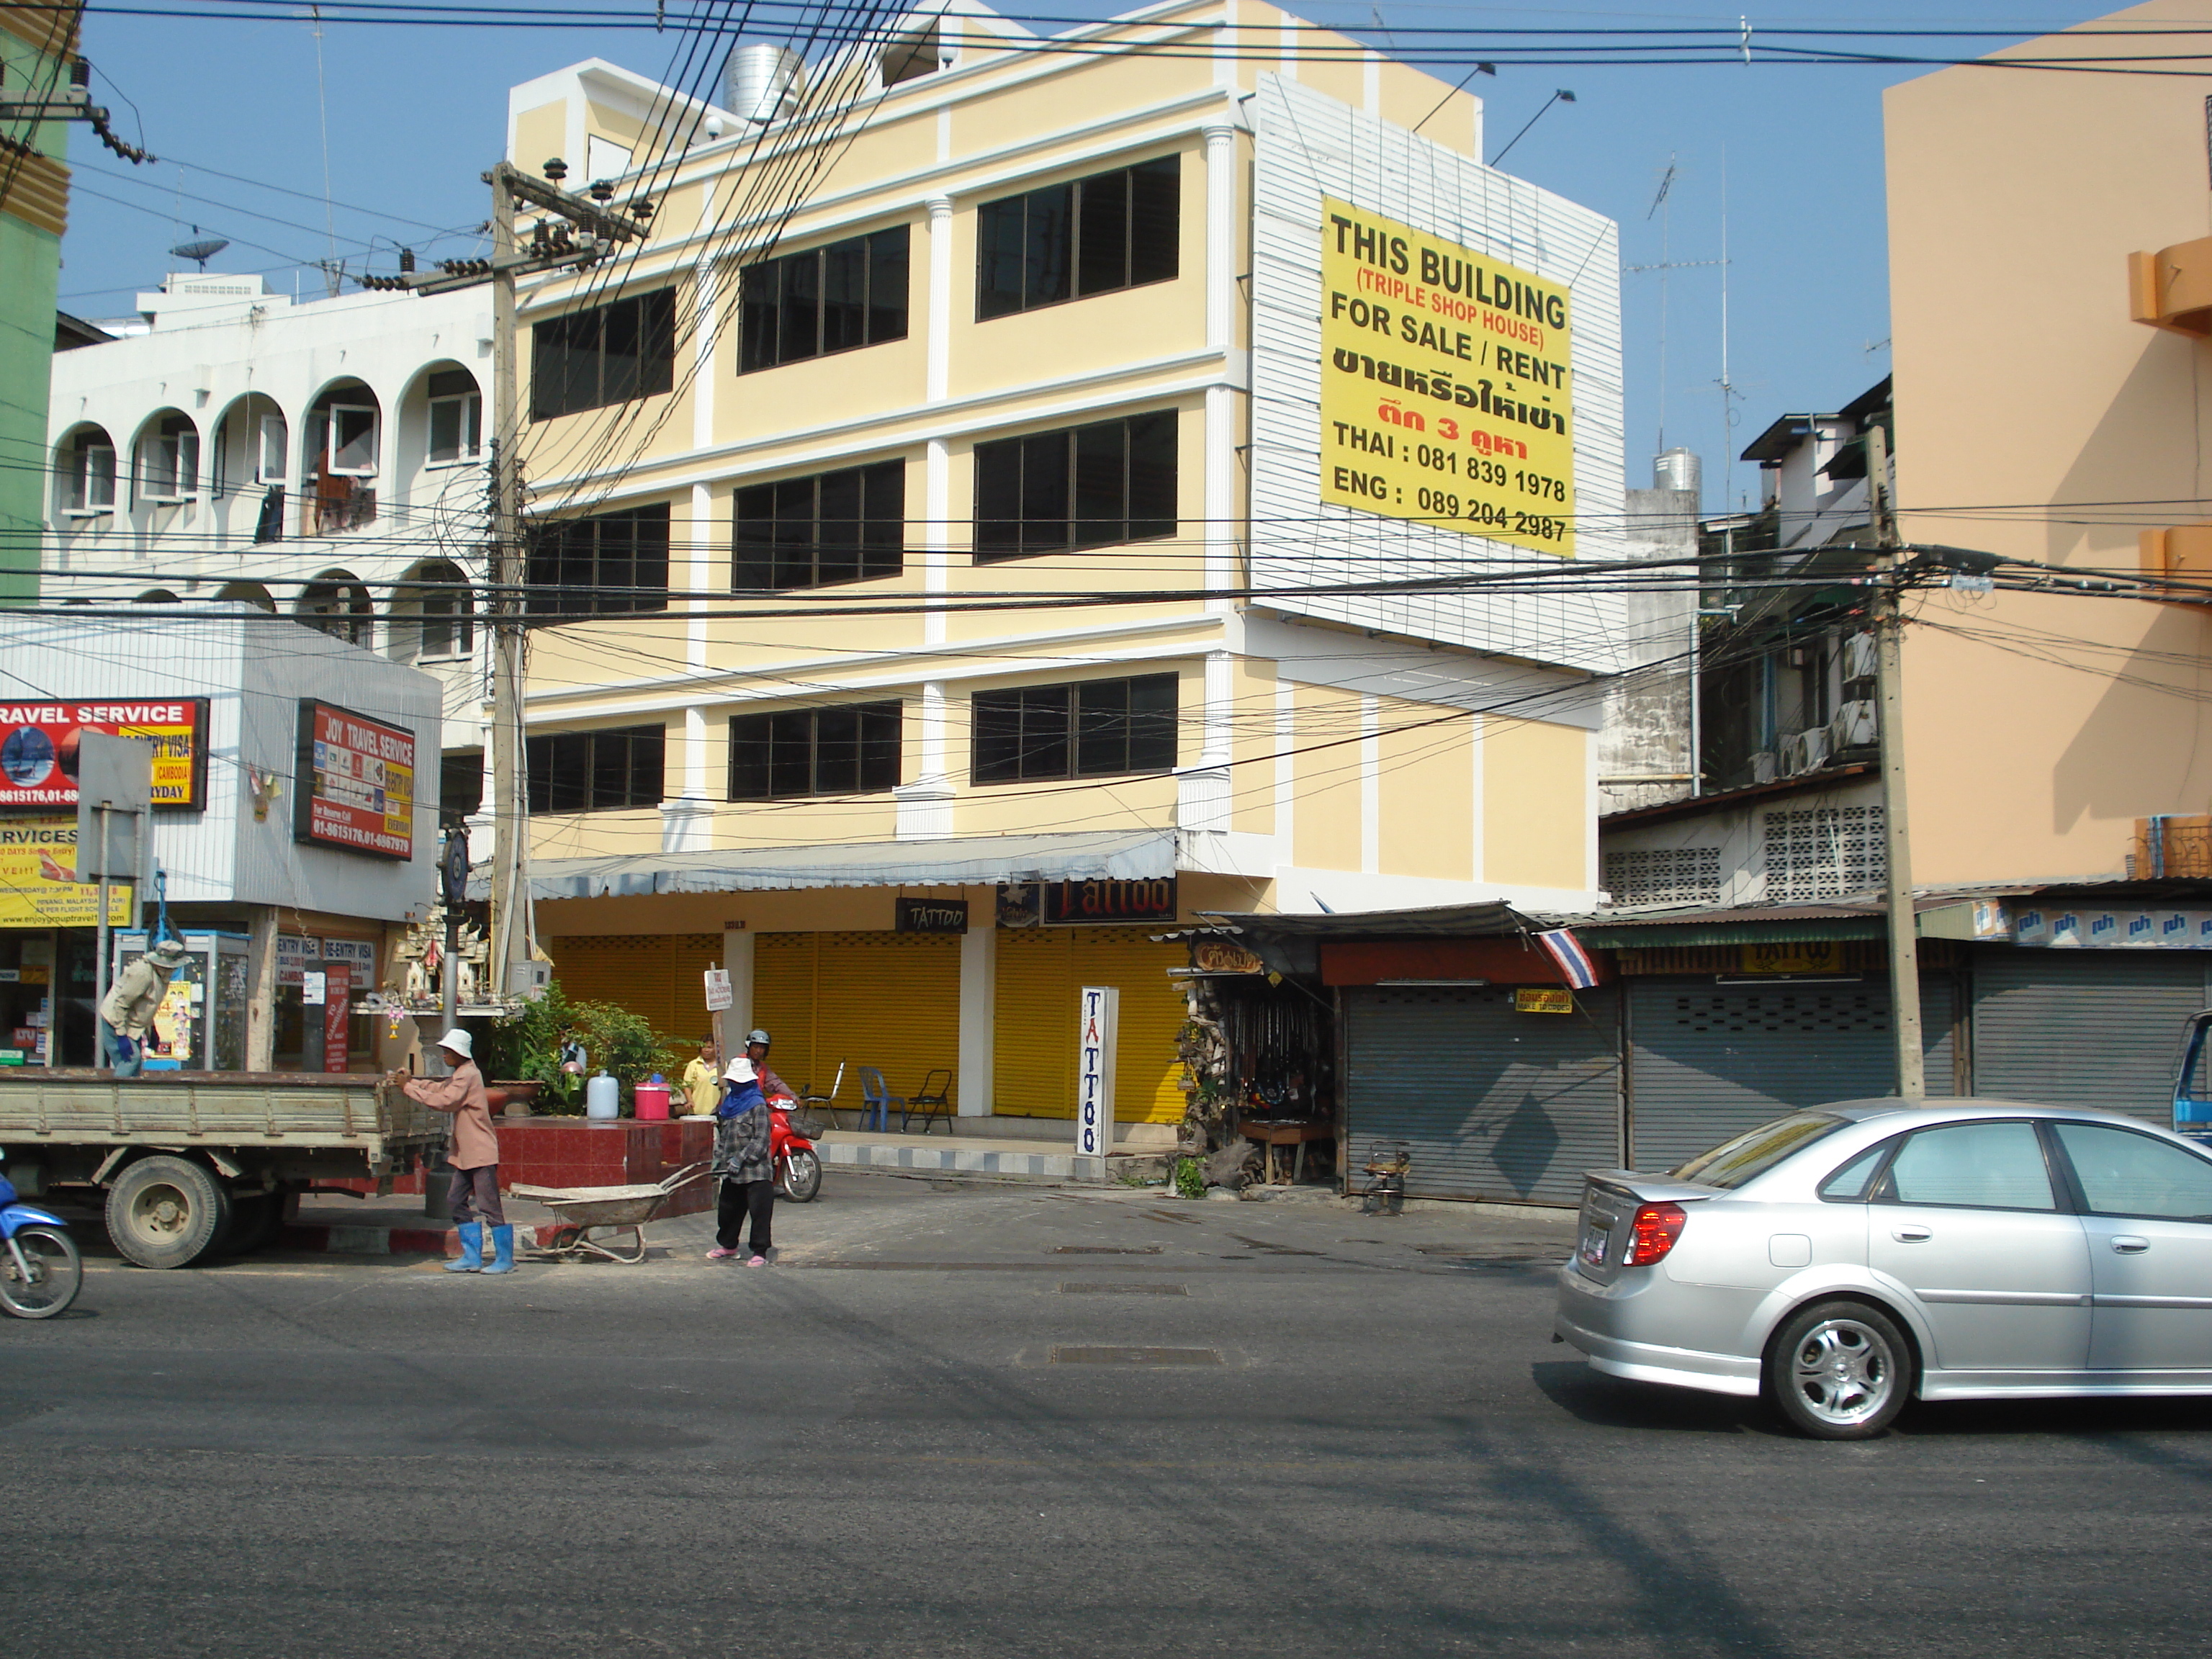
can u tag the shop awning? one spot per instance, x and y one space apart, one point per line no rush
963 861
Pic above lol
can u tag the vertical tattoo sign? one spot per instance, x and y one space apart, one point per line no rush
1095 1033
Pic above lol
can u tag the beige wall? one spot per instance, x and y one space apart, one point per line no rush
2023 388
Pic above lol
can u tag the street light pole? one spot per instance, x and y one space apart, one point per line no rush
1897 844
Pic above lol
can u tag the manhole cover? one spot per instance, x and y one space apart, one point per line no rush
1135 1357
1105 1249
1099 1288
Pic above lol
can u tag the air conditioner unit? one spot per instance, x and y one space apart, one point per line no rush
1854 725
1802 752
1859 657
1762 767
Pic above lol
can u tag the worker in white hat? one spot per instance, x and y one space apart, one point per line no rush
475 1154
126 1012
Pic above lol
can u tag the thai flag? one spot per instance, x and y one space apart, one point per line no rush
1568 955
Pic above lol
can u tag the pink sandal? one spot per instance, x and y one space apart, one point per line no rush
718 1254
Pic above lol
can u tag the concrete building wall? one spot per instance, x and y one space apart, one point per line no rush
2036 420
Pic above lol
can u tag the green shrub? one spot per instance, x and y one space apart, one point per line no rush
527 1048
1189 1178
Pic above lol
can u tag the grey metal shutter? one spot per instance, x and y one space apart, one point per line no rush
1707 1062
2084 1028
1500 1105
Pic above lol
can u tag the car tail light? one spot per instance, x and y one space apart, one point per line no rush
1653 1232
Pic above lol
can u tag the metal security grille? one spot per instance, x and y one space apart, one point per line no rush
2084 1028
1664 875
1822 852
1041 970
1708 1061
1497 1104
658 976
889 1000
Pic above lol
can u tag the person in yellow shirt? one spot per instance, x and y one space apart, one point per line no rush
702 1079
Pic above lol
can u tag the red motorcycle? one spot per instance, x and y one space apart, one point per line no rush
796 1166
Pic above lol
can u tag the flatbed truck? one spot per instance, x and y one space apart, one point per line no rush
186 1164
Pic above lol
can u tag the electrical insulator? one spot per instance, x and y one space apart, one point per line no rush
601 191
406 259
556 169
640 208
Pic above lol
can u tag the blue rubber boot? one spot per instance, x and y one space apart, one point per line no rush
502 1243
471 1260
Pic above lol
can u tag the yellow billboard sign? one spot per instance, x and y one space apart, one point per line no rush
1445 391
38 886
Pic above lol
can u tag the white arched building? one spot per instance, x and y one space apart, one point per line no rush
322 460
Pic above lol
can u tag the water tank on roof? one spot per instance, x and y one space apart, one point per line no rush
761 82
1678 468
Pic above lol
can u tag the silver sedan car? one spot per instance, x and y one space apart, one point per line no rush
1845 1259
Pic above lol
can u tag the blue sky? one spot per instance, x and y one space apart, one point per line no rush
414 114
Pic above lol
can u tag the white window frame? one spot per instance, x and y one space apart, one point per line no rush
263 473
81 476
174 456
333 417
469 424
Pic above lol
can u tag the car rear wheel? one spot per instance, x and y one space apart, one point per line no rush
1839 1370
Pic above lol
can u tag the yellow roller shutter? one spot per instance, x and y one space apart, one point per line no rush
657 976
1041 970
889 1000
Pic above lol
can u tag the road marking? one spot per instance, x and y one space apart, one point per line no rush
1103 1287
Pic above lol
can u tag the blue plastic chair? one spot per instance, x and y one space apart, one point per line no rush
877 1100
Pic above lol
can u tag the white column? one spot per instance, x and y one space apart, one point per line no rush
936 537
924 806
979 1000
940 297
937 482
706 282
1220 500
737 963
700 575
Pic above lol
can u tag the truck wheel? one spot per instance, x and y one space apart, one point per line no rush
165 1211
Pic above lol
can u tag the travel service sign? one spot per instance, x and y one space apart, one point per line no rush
38 745
358 782
1445 395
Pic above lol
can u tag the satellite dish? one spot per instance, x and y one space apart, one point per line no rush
202 248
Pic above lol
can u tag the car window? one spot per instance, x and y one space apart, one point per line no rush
1849 1184
1757 1151
1996 1166
2123 1173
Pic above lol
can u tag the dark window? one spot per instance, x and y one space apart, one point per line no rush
607 565
1090 729
1087 486
608 354
853 751
1112 230
843 526
849 293
592 771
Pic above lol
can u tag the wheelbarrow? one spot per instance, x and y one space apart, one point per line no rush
607 1211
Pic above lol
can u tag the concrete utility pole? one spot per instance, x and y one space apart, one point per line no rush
510 851
1903 924
596 230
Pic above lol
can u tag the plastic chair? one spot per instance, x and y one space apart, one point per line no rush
934 1096
828 1103
879 1100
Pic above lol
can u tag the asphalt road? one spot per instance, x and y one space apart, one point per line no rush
1021 1422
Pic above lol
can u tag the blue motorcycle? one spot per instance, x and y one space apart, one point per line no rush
39 1270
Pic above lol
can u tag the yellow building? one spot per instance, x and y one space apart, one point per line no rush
1061 477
